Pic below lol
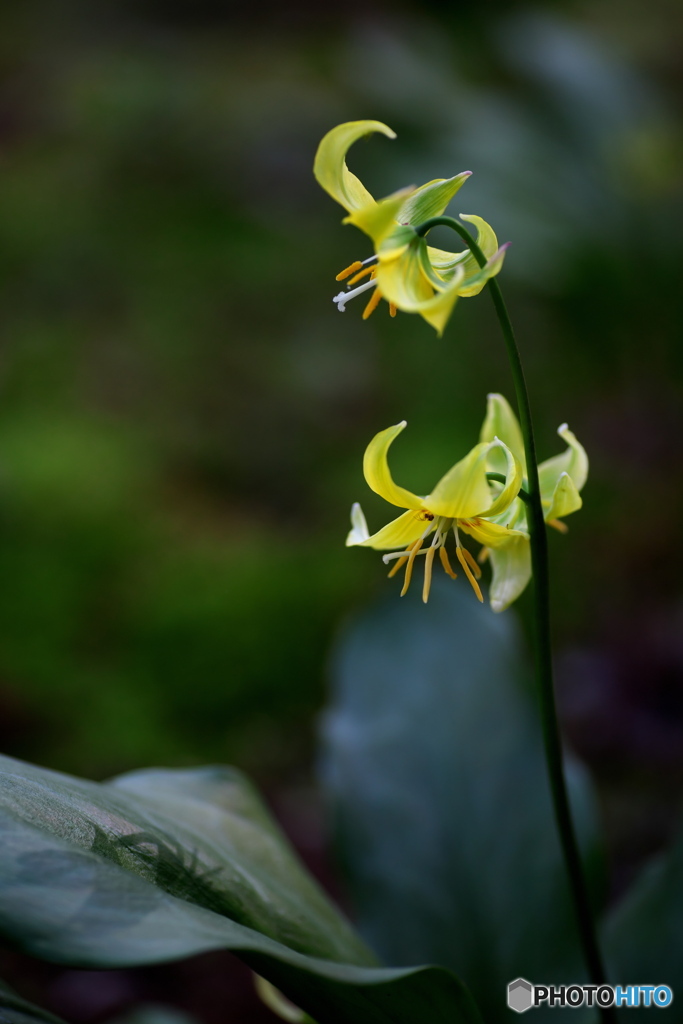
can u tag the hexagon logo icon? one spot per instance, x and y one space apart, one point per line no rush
520 995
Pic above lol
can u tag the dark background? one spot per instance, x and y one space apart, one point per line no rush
184 412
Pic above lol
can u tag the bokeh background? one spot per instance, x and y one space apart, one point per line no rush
184 412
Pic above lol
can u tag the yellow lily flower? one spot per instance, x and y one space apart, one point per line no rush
462 501
411 275
561 478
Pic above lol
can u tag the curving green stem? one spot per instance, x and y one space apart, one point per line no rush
542 644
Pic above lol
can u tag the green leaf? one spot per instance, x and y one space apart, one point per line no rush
159 865
644 932
435 768
15 1010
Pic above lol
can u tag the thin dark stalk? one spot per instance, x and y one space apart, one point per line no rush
542 642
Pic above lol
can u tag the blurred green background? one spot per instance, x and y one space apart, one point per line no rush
184 412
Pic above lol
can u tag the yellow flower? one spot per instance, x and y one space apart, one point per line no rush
411 275
462 501
561 478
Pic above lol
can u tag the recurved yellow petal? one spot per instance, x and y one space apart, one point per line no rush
378 475
464 491
403 281
513 479
474 284
502 423
378 220
431 200
413 286
511 567
395 535
573 461
565 499
491 535
330 167
486 236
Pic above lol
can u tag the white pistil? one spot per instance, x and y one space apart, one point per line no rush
345 297
401 554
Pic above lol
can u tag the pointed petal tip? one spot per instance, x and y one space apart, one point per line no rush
562 427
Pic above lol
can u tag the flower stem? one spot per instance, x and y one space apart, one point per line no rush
542 644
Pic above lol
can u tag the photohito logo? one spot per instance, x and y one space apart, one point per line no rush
523 996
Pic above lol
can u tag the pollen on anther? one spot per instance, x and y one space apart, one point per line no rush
349 270
372 304
392 309
361 274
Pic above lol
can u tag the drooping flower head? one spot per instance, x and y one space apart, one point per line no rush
463 501
467 501
561 478
411 275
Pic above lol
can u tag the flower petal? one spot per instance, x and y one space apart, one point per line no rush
378 220
431 200
330 167
445 263
486 240
565 499
378 476
464 492
573 461
511 565
473 285
395 535
491 535
403 280
413 286
502 423
359 527
513 479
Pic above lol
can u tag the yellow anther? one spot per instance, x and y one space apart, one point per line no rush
557 524
446 563
428 573
363 272
392 309
468 572
414 548
399 562
471 562
349 270
483 555
372 304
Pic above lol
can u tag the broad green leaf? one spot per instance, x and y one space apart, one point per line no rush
434 764
159 865
644 932
15 1010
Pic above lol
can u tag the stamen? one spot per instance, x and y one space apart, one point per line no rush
468 572
345 297
362 274
349 270
372 304
402 561
446 563
428 572
473 565
399 554
483 555
409 568
392 309
558 525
